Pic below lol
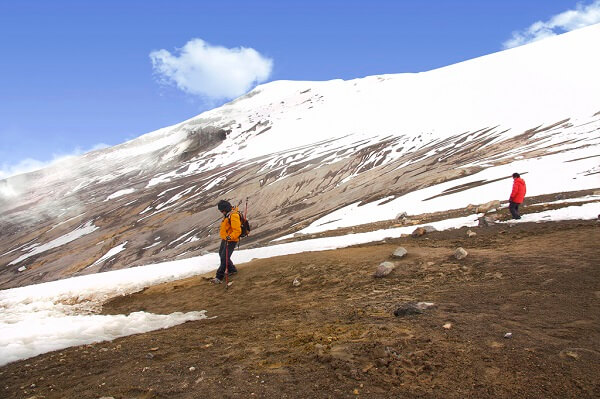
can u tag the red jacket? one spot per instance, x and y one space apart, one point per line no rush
518 191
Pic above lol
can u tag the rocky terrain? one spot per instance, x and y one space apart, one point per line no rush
516 318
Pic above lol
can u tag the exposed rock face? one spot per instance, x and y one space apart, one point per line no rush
203 139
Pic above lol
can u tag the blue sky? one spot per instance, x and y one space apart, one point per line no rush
76 75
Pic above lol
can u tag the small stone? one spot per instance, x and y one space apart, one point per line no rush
296 283
460 253
508 335
384 269
154 349
400 252
192 368
401 215
425 305
471 233
355 391
430 229
22 269
447 326
411 308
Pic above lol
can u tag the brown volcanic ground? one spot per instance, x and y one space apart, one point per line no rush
336 335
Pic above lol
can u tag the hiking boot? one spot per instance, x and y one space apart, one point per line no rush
215 281
232 273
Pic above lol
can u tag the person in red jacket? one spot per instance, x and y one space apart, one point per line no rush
517 195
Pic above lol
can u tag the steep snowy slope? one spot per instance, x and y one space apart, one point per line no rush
302 150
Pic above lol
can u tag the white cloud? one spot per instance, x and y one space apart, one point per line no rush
581 16
29 164
212 71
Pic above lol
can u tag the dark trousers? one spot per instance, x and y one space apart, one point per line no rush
225 251
513 207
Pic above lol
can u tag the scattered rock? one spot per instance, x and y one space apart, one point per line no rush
470 208
400 252
484 208
508 335
296 282
192 368
486 221
419 231
430 229
204 253
471 233
401 215
21 269
298 234
412 308
384 269
447 326
460 253
597 192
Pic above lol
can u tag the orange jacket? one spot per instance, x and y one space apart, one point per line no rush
231 226
518 191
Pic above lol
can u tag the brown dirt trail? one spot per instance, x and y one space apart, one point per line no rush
335 335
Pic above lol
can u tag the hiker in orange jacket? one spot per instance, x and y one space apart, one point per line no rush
517 195
230 231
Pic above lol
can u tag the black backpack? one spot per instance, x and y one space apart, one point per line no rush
244 223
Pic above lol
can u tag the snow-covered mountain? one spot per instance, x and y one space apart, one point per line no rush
312 156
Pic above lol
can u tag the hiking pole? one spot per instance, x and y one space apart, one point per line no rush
226 265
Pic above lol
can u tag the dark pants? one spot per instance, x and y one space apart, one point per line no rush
227 248
513 207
